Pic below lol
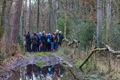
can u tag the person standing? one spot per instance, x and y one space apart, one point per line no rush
39 41
48 42
28 42
57 40
52 42
35 43
44 41
61 37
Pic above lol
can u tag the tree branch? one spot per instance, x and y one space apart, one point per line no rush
108 48
111 50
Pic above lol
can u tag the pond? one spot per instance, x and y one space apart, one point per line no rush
35 72
34 68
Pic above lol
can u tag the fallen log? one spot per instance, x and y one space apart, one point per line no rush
108 48
91 53
73 74
111 50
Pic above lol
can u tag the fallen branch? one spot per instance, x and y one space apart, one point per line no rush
108 48
73 74
111 50
91 53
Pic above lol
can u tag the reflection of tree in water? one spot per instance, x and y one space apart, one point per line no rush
53 71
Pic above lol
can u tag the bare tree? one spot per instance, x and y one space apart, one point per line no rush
108 20
99 22
38 13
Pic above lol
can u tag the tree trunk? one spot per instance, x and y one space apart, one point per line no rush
50 15
108 20
7 29
108 29
38 16
15 17
27 16
14 25
30 15
1 20
99 22
65 24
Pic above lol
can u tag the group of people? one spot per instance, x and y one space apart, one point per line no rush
43 41
52 71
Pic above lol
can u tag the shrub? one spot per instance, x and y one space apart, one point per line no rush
86 31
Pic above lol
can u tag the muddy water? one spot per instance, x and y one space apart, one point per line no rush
34 72
28 67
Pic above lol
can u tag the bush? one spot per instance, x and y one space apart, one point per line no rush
115 39
86 31
61 21
20 41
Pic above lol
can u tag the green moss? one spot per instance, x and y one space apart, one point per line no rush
41 54
40 63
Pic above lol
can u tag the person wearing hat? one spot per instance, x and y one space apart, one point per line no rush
57 31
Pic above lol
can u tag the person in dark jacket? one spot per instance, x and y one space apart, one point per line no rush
39 41
52 42
56 40
28 42
34 43
43 41
60 38
48 42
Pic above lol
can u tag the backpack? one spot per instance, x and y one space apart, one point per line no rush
48 40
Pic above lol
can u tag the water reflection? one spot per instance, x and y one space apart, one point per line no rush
34 72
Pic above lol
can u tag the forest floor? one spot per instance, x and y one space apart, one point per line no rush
88 74
95 69
70 66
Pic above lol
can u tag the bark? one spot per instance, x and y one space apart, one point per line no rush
15 17
30 12
65 23
108 20
27 16
99 22
108 29
38 16
2 15
12 24
50 15
7 28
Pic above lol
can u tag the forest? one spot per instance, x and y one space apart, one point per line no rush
59 39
